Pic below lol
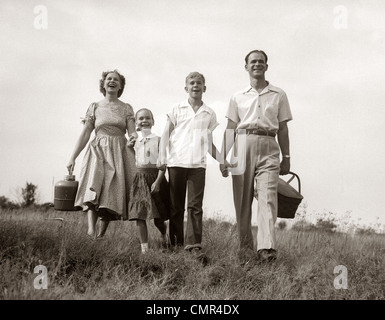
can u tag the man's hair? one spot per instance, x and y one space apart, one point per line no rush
195 75
255 51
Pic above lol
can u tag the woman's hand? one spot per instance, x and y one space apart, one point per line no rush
71 166
131 140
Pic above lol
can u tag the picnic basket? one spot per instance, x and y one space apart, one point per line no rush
288 197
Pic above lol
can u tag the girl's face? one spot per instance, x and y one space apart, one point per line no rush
144 120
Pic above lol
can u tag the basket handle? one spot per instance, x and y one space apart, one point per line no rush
294 175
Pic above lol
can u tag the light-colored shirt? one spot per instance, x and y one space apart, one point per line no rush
146 150
251 110
188 145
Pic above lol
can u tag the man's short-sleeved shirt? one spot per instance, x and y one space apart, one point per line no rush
188 145
251 110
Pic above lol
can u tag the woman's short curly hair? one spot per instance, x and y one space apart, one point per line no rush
104 75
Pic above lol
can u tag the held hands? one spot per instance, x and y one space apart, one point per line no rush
223 167
131 140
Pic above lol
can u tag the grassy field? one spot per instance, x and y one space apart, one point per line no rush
114 269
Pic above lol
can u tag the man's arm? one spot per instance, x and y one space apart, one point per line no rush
284 144
227 143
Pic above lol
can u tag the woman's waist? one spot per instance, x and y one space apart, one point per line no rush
113 131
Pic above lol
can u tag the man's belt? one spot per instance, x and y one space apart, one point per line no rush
260 132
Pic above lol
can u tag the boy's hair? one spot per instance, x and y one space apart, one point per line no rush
195 75
255 51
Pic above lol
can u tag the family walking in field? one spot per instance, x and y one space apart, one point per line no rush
145 177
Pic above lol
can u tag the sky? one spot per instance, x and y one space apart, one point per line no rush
328 56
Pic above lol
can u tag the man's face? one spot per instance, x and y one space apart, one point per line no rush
256 65
195 87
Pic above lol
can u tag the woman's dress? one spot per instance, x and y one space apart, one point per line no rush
109 164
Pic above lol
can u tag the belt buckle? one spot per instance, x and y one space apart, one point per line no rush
264 132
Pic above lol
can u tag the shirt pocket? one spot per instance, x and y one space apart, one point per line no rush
271 111
181 116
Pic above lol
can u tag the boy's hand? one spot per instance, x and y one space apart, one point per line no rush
161 163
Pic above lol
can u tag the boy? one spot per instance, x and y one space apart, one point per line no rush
188 136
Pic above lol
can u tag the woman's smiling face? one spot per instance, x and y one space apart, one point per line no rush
112 82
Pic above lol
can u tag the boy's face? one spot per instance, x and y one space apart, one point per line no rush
195 87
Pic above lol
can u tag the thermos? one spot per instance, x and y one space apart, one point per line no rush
65 193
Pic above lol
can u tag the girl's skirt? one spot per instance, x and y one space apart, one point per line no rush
142 204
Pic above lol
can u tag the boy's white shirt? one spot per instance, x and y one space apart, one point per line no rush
188 145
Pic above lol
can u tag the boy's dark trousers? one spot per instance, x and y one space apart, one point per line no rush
194 180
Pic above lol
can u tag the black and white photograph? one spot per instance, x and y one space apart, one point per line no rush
205 152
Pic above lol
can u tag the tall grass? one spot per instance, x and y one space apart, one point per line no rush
114 268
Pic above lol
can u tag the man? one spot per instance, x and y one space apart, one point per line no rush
256 115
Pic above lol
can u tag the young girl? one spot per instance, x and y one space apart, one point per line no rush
149 196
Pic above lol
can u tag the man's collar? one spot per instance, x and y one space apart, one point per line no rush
269 87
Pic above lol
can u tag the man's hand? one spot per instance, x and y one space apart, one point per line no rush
224 170
285 166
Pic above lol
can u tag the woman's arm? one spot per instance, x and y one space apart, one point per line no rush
79 146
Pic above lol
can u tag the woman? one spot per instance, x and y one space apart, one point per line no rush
105 175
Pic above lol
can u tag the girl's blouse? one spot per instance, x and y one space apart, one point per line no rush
147 151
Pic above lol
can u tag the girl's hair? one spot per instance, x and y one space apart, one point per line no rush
145 109
121 78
